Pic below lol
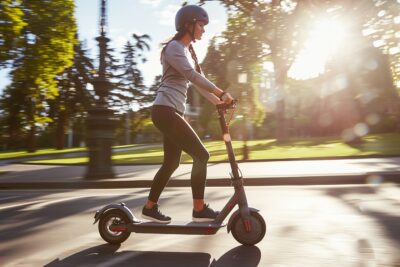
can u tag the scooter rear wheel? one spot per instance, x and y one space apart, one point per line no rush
113 217
258 229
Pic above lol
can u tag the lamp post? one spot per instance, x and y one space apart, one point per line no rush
242 79
100 122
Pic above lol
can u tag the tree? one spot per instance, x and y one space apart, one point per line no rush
11 25
239 50
277 22
382 27
129 86
13 116
73 99
284 26
370 61
44 50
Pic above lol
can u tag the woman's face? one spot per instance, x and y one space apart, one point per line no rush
199 30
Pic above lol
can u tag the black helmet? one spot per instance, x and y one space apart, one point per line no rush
190 13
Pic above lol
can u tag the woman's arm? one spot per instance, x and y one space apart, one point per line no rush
218 96
210 96
175 56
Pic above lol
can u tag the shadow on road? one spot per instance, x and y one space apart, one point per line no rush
108 255
50 212
389 221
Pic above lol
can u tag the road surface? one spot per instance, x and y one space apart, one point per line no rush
306 226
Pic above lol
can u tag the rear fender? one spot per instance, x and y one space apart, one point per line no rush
120 206
237 213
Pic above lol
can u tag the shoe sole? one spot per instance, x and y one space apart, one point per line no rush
154 219
202 219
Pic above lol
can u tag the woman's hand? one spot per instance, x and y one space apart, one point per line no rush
226 98
222 97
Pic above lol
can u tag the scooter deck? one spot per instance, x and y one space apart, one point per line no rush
175 227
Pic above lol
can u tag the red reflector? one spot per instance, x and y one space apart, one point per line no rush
247 225
115 229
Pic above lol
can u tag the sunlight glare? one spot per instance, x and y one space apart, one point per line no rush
325 39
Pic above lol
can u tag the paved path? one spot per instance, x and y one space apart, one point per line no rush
293 172
328 226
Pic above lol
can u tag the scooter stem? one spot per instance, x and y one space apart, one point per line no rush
228 141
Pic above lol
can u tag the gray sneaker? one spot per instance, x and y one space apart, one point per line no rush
155 215
205 215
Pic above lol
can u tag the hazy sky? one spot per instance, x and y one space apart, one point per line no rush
152 17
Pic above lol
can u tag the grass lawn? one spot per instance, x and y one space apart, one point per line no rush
49 151
373 145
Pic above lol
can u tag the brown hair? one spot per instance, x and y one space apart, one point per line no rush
178 36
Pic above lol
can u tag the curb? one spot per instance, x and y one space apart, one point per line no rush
372 179
16 161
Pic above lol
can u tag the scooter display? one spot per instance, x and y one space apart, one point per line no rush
117 222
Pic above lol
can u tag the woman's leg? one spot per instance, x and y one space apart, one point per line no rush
182 136
192 145
172 156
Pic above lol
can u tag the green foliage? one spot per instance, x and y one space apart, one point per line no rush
238 50
11 25
44 49
284 26
275 25
73 99
130 89
48 44
382 26
48 92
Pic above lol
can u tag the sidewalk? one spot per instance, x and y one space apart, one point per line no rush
294 172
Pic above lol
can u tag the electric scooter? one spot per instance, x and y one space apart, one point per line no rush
116 221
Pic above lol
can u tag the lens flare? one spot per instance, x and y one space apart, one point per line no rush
326 37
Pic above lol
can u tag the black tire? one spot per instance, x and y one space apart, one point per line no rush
258 229
108 218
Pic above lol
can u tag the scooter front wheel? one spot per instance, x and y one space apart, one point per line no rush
113 217
258 229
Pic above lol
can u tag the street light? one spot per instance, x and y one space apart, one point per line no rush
100 122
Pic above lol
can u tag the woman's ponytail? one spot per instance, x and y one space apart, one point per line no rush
178 36
196 62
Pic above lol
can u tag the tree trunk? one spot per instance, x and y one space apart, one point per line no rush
13 134
31 139
127 128
281 127
60 131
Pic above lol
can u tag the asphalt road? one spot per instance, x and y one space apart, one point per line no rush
306 226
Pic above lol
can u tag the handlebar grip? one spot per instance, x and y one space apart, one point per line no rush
225 106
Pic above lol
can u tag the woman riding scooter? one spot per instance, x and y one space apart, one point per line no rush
168 110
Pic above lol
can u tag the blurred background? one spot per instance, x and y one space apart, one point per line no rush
313 70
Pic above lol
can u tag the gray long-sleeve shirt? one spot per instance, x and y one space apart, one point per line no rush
177 72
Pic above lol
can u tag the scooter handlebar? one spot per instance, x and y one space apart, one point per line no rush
224 106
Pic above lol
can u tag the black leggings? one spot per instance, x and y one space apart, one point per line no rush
178 135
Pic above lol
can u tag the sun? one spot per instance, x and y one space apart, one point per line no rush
326 37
